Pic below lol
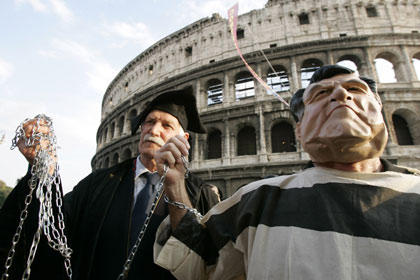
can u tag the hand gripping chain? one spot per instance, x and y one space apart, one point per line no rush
44 186
156 200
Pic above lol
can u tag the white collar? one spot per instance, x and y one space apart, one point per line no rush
141 169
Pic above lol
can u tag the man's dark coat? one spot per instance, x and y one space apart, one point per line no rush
98 215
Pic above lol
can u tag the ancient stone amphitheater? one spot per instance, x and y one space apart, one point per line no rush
251 134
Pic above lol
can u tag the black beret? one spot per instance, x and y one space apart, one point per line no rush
179 103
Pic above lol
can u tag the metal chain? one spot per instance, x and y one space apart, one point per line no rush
44 184
158 196
184 206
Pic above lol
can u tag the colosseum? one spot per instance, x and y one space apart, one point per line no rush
251 134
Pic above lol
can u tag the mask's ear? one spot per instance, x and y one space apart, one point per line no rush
297 131
186 135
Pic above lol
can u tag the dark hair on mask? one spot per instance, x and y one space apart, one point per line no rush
297 106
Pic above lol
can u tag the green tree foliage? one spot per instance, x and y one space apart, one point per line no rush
4 192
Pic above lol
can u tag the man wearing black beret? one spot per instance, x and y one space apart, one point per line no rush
106 211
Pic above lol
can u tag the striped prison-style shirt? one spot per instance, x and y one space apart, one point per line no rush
317 224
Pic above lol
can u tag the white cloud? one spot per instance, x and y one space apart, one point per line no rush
64 48
57 7
100 75
98 70
49 53
61 10
6 70
126 33
37 5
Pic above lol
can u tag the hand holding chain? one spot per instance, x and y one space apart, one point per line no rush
45 185
156 200
182 205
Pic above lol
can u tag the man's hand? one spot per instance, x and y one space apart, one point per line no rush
29 152
170 154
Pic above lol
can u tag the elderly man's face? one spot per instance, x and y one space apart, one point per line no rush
342 121
157 128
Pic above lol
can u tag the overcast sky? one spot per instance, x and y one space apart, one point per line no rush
57 57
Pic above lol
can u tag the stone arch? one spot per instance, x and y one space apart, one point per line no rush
246 140
120 126
307 69
405 124
214 144
388 68
105 137
106 163
112 130
278 79
350 61
214 89
283 137
126 154
115 159
416 64
402 132
244 85
131 115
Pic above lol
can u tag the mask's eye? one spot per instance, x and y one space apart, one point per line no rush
354 89
322 91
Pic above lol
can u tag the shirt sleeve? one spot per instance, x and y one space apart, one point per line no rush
197 251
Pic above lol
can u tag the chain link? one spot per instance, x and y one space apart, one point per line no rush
44 185
158 196
184 206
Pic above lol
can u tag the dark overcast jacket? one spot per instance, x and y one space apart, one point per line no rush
98 215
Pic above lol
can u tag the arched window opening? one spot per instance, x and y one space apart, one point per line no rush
240 33
308 68
244 86
99 165
402 131
349 64
416 65
126 154
105 138
283 138
112 130
120 126
106 162
214 92
133 114
214 145
115 159
246 140
385 70
278 79
303 18
371 11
